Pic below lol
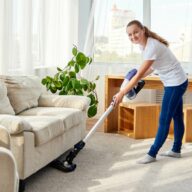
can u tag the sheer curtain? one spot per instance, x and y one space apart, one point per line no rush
1 35
36 34
60 30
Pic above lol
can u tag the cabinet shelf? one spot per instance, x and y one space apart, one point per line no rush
138 120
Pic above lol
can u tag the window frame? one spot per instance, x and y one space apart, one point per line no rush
147 22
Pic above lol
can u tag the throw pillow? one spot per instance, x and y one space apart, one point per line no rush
23 91
5 106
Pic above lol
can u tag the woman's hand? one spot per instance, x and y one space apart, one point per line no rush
143 71
118 98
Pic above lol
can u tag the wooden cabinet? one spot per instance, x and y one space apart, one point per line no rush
138 120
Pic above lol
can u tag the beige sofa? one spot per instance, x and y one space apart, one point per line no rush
42 126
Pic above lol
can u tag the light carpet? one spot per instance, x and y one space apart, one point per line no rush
108 163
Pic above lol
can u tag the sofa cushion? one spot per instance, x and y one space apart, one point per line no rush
45 128
14 124
70 117
5 106
23 91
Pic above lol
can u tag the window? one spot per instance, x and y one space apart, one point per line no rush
111 43
173 21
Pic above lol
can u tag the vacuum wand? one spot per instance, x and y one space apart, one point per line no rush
99 122
68 165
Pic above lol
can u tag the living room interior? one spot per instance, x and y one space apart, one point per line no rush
61 63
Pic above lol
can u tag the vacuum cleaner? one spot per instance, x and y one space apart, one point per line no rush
65 163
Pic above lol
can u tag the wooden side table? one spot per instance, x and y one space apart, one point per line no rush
138 120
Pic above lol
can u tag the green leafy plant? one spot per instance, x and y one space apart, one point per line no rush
68 81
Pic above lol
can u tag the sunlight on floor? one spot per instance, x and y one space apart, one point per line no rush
119 180
142 143
140 151
123 164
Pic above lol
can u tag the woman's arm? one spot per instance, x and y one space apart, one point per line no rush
143 70
148 72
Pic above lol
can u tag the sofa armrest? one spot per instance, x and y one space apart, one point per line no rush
68 101
14 124
9 179
4 137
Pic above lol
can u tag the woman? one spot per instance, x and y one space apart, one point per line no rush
157 56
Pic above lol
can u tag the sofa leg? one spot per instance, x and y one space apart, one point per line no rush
21 185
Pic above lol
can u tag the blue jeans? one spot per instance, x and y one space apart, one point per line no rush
172 107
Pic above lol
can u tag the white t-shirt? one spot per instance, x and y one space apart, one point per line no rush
165 63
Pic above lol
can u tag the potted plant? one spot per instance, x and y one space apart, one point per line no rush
68 81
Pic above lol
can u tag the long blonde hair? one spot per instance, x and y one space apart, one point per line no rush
148 33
